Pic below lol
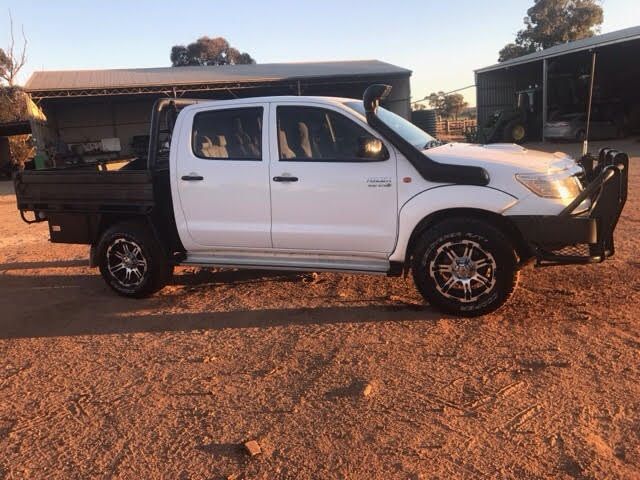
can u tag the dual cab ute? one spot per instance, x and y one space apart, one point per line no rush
331 184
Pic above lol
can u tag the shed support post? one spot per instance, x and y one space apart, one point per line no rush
545 78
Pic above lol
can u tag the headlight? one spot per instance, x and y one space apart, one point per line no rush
556 185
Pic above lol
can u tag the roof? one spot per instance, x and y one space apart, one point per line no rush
619 36
44 81
279 99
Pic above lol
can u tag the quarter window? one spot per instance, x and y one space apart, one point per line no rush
321 135
228 134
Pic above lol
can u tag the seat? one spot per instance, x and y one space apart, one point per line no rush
245 145
285 150
202 142
305 141
216 148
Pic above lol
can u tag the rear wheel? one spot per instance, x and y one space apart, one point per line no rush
465 266
132 261
515 132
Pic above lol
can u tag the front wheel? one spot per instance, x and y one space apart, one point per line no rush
132 261
465 267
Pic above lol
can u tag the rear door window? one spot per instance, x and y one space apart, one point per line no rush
233 134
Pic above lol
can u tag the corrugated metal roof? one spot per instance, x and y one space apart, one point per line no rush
168 76
625 35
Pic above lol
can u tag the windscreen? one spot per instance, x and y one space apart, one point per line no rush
407 130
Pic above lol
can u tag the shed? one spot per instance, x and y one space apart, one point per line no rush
86 106
562 74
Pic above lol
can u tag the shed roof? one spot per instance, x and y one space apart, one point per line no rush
43 81
625 35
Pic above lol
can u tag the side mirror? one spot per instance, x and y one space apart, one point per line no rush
372 148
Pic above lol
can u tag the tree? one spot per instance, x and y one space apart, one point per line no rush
436 101
520 47
11 61
208 51
447 106
551 22
454 104
13 108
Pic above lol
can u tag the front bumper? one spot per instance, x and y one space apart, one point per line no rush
587 236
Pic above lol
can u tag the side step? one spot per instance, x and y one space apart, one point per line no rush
294 263
581 254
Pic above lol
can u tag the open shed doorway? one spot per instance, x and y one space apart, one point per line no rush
559 80
615 109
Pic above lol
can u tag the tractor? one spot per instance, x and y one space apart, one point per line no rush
518 124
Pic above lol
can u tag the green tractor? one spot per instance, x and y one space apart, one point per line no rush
515 125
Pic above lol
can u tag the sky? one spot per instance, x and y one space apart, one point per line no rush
442 42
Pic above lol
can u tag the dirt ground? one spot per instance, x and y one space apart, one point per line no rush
97 386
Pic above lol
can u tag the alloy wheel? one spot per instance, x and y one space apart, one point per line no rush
126 263
463 270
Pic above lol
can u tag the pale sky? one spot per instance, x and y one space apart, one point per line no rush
442 42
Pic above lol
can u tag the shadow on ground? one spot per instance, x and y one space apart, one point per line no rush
88 307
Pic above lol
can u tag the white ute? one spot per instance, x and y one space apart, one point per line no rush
335 184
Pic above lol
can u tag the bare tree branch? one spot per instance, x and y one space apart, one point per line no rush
10 62
12 38
23 54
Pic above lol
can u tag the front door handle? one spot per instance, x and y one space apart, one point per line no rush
285 179
192 178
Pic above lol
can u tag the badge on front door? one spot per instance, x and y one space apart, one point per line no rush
376 182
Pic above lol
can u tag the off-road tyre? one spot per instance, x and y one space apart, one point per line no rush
147 256
515 132
491 272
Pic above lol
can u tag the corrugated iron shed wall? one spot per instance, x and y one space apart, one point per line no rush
496 89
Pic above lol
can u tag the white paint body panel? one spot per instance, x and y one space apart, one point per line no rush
331 217
443 198
231 206
334 206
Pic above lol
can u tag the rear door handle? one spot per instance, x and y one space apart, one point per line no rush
192 178
285 179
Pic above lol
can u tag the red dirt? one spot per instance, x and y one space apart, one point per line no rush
335 376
